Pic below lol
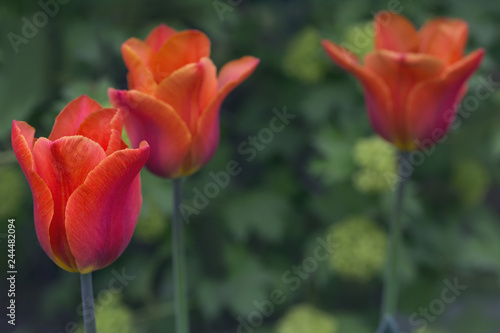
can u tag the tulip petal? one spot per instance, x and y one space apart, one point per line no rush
179 50
158 36
70 118
43 206
102 213
115 139
115 142
133 50
377 95
395 32
237 70
444 38
207 136
181 91
401 72
64 165
137 56
148 118
209 85
140 78
395 68
27 131
104 127
431 106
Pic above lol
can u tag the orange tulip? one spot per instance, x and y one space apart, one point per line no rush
413 80
85 184
175 96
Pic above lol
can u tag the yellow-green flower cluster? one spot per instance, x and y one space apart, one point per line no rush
376 160
303 57
306 318
113 318
471 181
362 249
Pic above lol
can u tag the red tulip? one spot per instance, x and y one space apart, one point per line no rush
175 96
413 81
85 184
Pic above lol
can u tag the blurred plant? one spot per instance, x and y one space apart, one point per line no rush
151 226
98 89
352 324
411 82
478 251
305 318
11 194
33 61
303 57
471 180
114 317
358 40
262 213
335 162
430 330
377 159
362 251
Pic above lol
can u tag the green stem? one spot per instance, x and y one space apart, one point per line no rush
179 263
88 303
391 282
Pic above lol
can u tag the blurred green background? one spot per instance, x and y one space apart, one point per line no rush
322 177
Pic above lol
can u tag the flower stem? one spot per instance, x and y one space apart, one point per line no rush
88 303
391 282
179 262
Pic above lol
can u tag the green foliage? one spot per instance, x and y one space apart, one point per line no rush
113 318
471 181
154 220
479 247
25 79
349 323
151 226
306 318
303 59
12 191
360 39
116 319
336 162
262 213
